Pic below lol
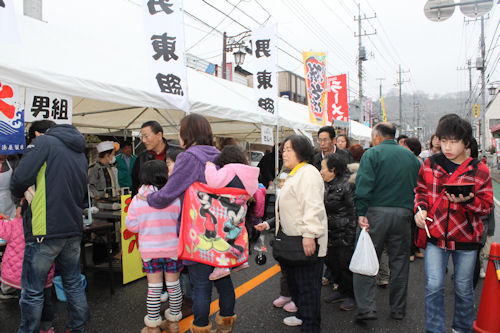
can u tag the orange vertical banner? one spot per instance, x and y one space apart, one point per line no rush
315 76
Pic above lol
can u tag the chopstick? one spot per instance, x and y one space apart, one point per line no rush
425 224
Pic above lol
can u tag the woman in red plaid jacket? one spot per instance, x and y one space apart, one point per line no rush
455 226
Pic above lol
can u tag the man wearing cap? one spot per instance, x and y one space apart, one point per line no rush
103 179
156 149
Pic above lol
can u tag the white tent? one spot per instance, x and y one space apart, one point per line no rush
99 62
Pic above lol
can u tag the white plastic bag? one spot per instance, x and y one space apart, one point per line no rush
364 259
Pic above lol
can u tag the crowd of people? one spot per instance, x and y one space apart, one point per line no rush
393 190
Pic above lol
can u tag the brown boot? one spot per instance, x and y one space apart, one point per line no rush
171 324
199 329
152 326
224 324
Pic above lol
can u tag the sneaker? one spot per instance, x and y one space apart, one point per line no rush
482 273
292 321
281 301
325 281
241 267
164 297
219 273
348 304
290 307
335 297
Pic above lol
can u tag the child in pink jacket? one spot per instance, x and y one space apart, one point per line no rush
12 265
158 241
234 172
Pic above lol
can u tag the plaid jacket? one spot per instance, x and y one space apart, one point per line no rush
461 226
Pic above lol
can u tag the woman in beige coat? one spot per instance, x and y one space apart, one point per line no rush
300 211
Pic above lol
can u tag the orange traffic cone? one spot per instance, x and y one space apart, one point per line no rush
487 320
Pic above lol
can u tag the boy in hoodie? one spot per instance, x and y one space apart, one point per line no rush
55 162
454 222
234 172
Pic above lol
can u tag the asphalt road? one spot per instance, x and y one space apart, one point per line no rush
124 311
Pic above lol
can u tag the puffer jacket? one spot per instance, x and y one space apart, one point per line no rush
339 204
12 261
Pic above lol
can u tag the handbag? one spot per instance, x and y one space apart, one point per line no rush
289 251
421 235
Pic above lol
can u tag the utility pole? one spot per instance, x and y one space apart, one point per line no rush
380 97
361 57
224 59
483 88
468 104
400 83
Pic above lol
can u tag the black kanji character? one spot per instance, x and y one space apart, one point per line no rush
262 46
170 84
267 104
40 104
2 4
164 5
55 108
164 46
63 114
315 71
264 79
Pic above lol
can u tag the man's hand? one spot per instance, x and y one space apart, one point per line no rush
420 218
363 222
262 226
309 246
460 198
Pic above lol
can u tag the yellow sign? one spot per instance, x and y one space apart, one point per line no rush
131 259
383 108
315 76
475 110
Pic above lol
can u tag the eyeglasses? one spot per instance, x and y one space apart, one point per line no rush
324 140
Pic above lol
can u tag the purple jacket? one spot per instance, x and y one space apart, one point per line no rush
189 168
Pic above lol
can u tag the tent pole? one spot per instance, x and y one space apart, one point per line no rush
276 154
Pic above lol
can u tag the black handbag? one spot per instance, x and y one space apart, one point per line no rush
289 251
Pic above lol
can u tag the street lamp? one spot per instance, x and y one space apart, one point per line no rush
232 42
493 88
239 58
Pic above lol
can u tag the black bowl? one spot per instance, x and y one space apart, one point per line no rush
457 189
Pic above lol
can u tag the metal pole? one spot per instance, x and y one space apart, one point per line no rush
483 87
224 41
360 67
277 154
400 102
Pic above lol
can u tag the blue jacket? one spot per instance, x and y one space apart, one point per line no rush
56 163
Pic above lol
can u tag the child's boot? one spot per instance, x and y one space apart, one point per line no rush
171 322
152 326
224 324
199 329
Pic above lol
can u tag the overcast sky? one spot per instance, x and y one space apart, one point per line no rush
431 51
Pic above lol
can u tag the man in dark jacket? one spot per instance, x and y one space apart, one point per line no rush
156 149
384 197
55 163
327 140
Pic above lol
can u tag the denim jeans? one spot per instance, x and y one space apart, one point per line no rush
38 259
202 294
436 261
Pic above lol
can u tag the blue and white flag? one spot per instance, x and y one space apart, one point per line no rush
12 139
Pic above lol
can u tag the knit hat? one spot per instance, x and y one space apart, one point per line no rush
105 146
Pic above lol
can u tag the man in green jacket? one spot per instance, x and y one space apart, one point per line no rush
384 197
124 163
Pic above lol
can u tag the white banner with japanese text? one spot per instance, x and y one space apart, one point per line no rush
267 135
265 78
164 39
45 105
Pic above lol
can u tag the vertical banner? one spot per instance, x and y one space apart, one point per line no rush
131 258
11 119
383 109
337 107
265 79
9 30
164 38
315 75
44 105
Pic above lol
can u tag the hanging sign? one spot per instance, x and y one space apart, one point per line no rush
337 105
11 119
164 38
45 105
265 79
315 75
267 135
